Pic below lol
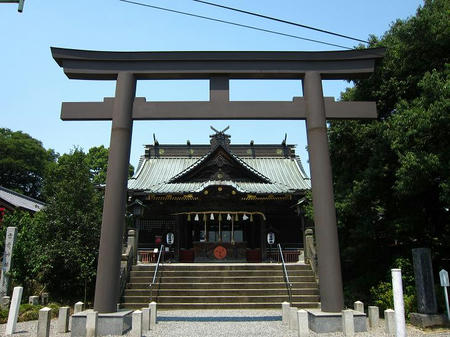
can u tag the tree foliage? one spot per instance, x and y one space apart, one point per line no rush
23 161
392 175
58 247
97 159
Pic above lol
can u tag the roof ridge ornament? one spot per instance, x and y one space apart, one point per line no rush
220 138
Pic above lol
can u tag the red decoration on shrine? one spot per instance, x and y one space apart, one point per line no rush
220 252
2 213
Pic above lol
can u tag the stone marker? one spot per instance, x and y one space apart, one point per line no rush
348 325
33 300
145 319
302 319
44 298
399 305
153 315
43 329
443 277
285 312
374 316
423 275
91 324
78 307
389 322
118 306
11 234
63 320
293 325
136 325
4 304
358 306
14 311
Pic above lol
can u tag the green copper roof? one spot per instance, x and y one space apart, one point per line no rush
286 175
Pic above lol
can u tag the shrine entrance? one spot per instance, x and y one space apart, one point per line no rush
219 67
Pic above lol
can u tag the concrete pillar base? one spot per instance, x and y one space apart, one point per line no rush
117 323
323 322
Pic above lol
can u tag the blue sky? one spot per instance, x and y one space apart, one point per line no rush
32 85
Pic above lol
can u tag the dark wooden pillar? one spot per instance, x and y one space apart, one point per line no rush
110 251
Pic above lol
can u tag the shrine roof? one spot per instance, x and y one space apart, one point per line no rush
17 200
286 175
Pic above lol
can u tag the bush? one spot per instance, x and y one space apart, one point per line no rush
382 295
29 312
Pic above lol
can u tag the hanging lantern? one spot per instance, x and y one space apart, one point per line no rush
189 217
245 217
251 217
211 217
228 217
196 217
220 216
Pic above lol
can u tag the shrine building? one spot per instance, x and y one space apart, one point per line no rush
218 202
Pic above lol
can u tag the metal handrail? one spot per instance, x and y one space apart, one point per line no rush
286 276
155 274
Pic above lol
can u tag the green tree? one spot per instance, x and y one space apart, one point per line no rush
23 161
392 175
97 159
58 247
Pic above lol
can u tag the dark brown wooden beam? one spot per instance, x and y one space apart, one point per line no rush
104 65
217 110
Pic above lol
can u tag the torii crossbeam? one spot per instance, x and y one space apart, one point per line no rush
219 67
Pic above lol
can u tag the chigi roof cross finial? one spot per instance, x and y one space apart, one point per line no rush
220 138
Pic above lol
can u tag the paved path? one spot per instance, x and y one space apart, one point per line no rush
218 323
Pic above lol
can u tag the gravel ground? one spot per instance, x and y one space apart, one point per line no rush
217 323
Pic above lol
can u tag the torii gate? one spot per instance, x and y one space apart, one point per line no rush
219 67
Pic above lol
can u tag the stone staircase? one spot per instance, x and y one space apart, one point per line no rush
221 286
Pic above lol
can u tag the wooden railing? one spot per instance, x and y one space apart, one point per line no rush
150 256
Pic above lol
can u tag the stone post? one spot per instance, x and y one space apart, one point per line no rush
33 300
14 310
153 315
4 304
358 306
132 242
136 325
91 323
303 326
348 324
110 251
146 319
329 263
389 322
374 316
44 298
62 326
285 312
11 234
423 275
309 242
43 329
399 307
293 324
78 307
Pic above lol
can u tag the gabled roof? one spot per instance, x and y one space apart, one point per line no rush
218 158
17 200
286 175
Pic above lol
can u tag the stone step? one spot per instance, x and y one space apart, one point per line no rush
222 279
220 292
225 285
220 273
182 306
211 267
220 299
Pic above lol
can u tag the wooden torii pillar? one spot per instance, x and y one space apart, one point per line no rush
127 67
